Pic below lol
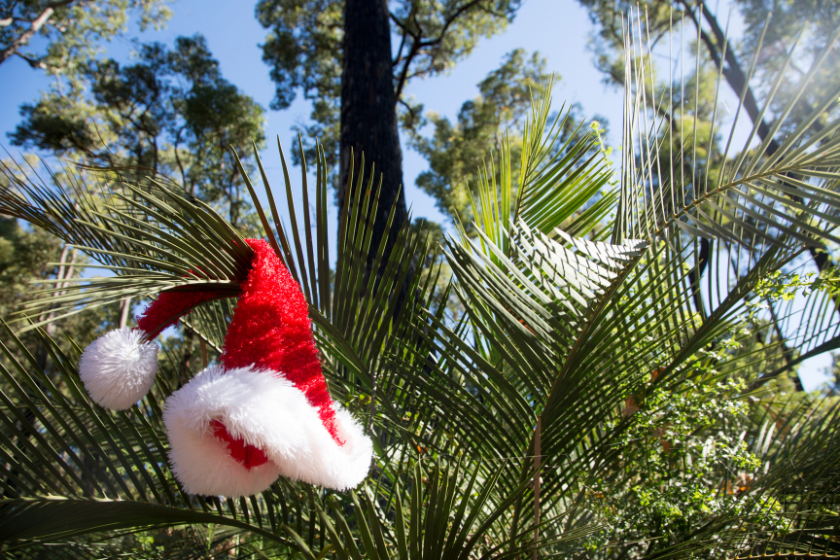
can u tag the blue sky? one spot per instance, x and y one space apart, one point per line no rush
558 29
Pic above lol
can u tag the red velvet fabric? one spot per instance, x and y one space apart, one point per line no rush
248 455
168 308
271 330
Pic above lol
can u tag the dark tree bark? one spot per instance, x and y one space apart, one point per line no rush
368 110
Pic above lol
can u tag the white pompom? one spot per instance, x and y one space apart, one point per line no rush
118 369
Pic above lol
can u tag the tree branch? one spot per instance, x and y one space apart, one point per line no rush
399 50
412 53
33 62
829 345
34 27
411 112
400 24
177 142
455 15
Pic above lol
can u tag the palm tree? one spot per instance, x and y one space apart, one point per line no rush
512 429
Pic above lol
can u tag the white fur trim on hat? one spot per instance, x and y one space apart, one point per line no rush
118 369
267 411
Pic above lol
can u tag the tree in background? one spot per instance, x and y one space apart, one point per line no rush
172 113
455 152
73 30
30 255
767 42
339 54
813 24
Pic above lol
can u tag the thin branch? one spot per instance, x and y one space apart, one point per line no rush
400 50
828 346
412 53
418 43
399 23
455 15
125 310
33 62
411 111
191 190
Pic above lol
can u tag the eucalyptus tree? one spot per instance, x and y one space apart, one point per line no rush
455 152
73 30
170 113
339 54
582 371
770 32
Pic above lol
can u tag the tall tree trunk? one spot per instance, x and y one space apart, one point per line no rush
368 109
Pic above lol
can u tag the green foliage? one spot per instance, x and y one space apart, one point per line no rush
29 256
686 463
170 113
457 152
23 256
750 66
785 286
74 30
488 125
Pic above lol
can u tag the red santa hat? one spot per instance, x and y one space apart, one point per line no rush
263 410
